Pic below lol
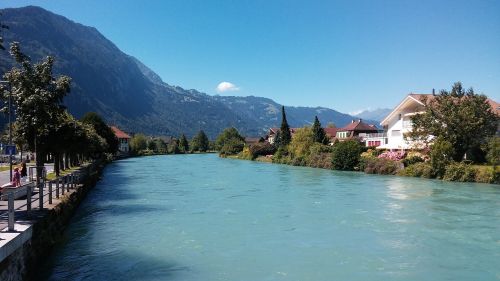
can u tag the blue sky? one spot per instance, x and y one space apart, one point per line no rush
346 55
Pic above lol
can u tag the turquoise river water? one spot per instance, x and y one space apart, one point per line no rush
199 217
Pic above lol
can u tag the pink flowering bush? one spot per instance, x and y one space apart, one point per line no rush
393 155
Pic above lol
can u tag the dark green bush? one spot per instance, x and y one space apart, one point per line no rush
441 155
487 174
380 166
419 169
412 160
459 172
346 154
262 149
321 160
232 146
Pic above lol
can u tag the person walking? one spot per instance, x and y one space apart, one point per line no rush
16 179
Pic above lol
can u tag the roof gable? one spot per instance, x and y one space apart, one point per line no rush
119 133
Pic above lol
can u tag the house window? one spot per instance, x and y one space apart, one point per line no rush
399 116
396 133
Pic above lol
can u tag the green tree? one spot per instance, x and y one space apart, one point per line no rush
319 132
301 143
441 156
161 146
138 143
152 145
286 136
183 144
277 139
346 154
37 98
229 142
493 155
200 142
461 117
96 121
226 135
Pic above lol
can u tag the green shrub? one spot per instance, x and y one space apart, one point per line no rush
320 160
441 155
487 174
232 147
246 154
459 172
345 155
493 154
412 160
419 169
380 166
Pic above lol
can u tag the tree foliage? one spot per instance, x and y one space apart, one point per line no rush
200 142
229 142
301 143
493 154
138 143
441 156
285 136
183 144
459 116
346 154
318 132
102 129
37 98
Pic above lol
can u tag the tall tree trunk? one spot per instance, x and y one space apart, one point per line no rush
66 161
61 161
39 165
56 163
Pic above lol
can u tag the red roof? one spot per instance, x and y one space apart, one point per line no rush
358 126
119 133
330 132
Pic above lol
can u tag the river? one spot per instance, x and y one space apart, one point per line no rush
200 217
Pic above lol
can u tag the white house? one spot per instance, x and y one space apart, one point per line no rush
398 123
123 139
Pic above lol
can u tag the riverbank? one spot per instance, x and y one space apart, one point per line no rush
459 172
38 231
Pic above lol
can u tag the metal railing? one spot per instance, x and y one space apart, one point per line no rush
21 200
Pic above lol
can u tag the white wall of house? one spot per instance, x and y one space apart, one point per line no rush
124 146
399 124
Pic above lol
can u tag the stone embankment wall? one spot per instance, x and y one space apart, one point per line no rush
47 230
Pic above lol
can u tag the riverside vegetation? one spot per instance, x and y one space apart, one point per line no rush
464 147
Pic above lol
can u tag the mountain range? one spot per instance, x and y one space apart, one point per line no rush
129 94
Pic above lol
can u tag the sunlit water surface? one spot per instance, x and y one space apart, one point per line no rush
199 217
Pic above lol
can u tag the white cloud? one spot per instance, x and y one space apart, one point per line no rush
226 87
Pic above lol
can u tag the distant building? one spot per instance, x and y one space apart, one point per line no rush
123 140
355 130
271 136
331 133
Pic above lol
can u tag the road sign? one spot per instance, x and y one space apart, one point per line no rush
10 149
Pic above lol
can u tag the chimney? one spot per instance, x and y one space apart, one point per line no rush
352 121
359 120
433 91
